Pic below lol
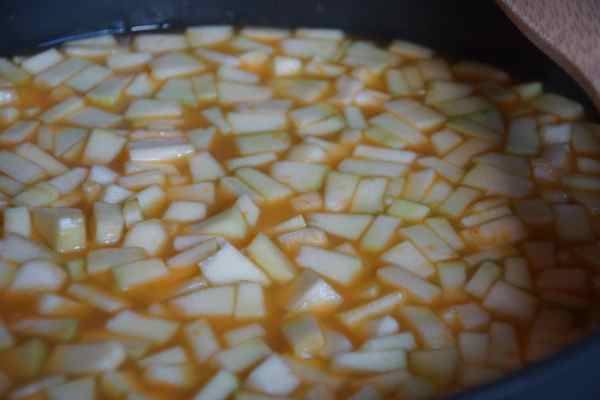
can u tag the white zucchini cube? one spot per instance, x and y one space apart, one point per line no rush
302 177
63 228
429 327
228 265
81 389
438 365
108 223
17 220
220 387
250 302
204 167
229 223
309 292
406 255
367 362
377 307
304 334
416 286
214 301
38 276
347 226
271 259
103 146
185 211
339 267
506 299
130 323
274 377
200 336
243 356
128 276
150 235
86 358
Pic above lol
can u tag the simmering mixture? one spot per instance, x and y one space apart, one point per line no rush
269 214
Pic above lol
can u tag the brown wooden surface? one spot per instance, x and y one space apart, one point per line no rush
566 30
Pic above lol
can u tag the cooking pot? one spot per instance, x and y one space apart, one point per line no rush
468 29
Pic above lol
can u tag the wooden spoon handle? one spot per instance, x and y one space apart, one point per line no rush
568 31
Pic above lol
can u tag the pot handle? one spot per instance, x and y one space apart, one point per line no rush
568 31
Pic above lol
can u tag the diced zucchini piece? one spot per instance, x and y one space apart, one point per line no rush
379 233
228 265
149 108
408 210
561 106
302 177
339 190
229 223
130 323
17 220
61 72
220 387
239 335
458 201
208 35
179 376
150 235
263 142
271 259
304 335
347 226
469 316
38 276
431 329
201 338
507 300
439 365
243 356
500 232
95 297
416 286
86 358
421 117
243 122
462 155
250 301
404 341
292 224
57 329
137 273
205 168
108 222
20 168
214 301
159 149
408 257
54 305
339 267
235 92
380 306
370 361
83 389
266 186
26 359
11 73
273 376
309 292
175 64
368 197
